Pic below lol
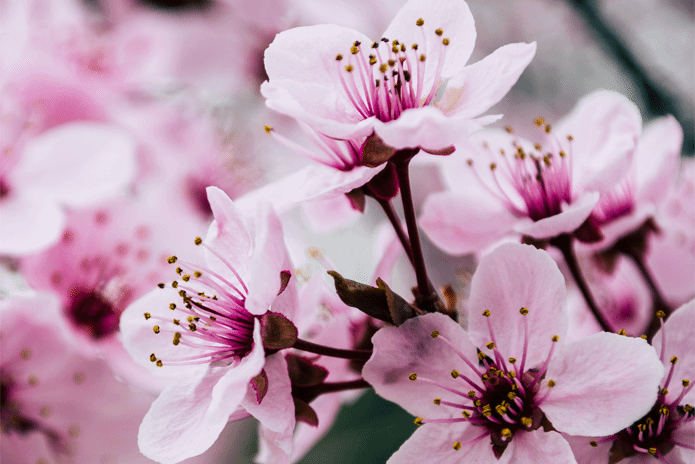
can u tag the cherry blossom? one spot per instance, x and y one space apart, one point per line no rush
667 432
59 406
346 86
485 394
507 185
204 329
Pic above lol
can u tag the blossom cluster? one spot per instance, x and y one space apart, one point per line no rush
157 293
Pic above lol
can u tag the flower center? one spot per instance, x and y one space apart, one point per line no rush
94 313
388 77
531 182
504 399
217 325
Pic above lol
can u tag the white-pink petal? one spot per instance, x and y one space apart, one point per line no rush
571 217
511 277
604 383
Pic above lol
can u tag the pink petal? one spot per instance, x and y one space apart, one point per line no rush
189 415
327 215
606 127
429 128
604 383
483 84
433 444
679 329
511 277
453 17
312 183
572 216
76 164
267 261
28 224
276 410
463 222
410 348
658 158
539 447
228 235
685 433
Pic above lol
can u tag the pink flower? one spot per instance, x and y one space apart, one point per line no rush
59 406
205 330
667 431
346 86
57 152
484 394
509 185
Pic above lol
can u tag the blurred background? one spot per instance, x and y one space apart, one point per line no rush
154 63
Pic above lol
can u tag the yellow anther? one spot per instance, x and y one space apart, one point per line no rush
663 392
161 285
562 154
372 59
213 318
414 46
437 401
652 451
33 380
540 121
469 162
423 57
192 327
493 166
147 316
177 338
641 427
512 360
155 329
511 395
506 432
477 403
434 333
159 363
593 443
512 374
466 414
172 259
349 68
622 332
197 274
509 129
523 311
394 49
664 411
537 146
439 31
649 421
153 358
413 376
471 394
674 359
418 421
486 313
456 445
419 22
174 284
551 383
199 240
177 322
383 67
490 346
338 57
526 421
548 128
354 50
686 382
391 63
455 374
186 278
555 338
570 138
179 271
643 337
403 47
446 41
486 145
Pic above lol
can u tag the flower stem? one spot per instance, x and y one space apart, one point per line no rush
331 352
333 387
401 165
396 223
564 243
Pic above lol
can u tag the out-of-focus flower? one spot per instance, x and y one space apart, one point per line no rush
206 331
508 185
671 253
70 165
59 406
484 405
667 432
346 86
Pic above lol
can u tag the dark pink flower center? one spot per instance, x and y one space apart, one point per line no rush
505 397
534 183
388 77
94 313
210 317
